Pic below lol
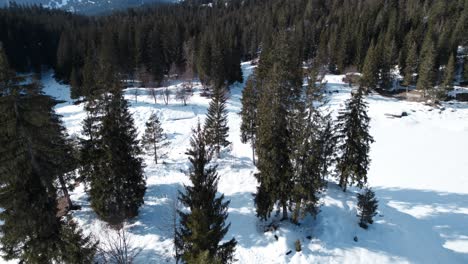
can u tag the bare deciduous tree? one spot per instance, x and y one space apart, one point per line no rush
166 95
117 248
183 93
154 93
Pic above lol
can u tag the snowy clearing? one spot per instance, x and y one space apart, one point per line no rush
419 171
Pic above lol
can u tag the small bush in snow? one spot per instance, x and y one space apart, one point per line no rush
367 207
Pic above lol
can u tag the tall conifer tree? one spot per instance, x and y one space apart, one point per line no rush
216 127
30 141
203 227
118 185
353 142
249 114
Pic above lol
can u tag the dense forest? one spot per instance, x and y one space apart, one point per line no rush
417 36
297 147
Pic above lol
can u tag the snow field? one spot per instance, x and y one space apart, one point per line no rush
419 171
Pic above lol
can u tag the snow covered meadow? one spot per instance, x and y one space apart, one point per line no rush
419 171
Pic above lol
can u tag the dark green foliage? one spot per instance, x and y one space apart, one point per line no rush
367 207
31 147
249 114
411 65
449 75
426 68
203 227
353 142
216 127
338 33
312 149
77 248
370 72
117 185
280 85
154 138
465 68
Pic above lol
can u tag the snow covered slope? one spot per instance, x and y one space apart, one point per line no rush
419 170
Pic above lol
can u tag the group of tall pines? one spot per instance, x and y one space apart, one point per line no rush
417 36
294 140
33 154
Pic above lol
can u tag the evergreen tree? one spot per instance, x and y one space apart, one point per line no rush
117 186
411 65
312 150
30 142
203 227
154 138
465 69
426 68
216 127
449 75
249 114
367 207
353 142
370 76
280 82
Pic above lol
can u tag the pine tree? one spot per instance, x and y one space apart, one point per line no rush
117 186
249 114
353 142
154 138
370 76
426 68
280 79
216 127
203 227
30 141
411 65
367 207
312 150
449 75
465 69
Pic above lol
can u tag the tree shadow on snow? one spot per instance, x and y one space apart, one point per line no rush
412 225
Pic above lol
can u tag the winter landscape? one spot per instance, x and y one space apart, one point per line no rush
233 131
422 216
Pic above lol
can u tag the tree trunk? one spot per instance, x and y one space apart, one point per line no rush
155 153
253 152
63 185
285 211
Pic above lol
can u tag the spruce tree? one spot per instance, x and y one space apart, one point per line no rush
216 127
411 65
312 150
30 142
449 75
370 76
367 207
426 68
249 114
203 227
465 69
353 142
280 82
117 186
154 138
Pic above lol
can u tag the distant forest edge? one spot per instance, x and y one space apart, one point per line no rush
87 7
210 41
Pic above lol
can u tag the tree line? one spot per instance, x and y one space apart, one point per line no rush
421 37
296 144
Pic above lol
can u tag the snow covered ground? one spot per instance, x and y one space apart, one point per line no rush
419 170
